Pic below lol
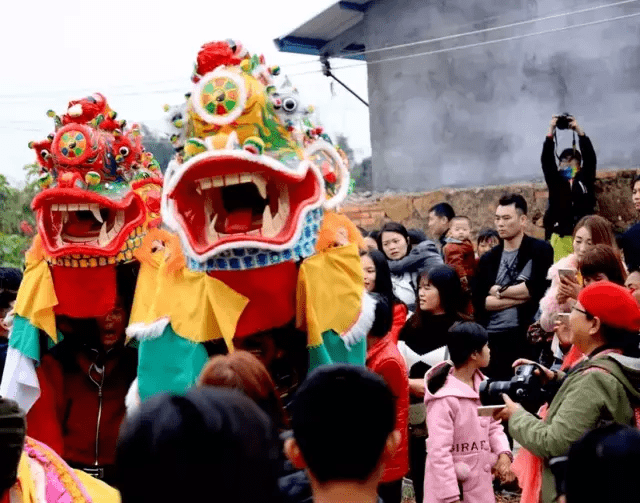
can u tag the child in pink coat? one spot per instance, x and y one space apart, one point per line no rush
462 448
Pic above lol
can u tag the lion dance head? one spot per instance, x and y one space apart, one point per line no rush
100 188
253 175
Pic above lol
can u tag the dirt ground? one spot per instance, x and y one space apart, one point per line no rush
408 496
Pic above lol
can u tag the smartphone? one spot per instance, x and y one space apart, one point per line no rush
568 273
488 410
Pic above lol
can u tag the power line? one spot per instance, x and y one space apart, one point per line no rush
29 96
484 30
427 53
478 44
466 34
84 90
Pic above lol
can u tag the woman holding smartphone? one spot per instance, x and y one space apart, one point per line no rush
566 281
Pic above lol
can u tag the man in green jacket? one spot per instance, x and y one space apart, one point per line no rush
599 390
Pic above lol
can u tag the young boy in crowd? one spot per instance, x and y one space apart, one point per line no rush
343 418
487 239
462 446
458 250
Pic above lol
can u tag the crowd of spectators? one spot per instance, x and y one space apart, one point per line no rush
577 315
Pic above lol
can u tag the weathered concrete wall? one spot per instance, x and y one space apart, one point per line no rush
412 209
477 116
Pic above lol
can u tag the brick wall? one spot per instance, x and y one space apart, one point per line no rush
613 193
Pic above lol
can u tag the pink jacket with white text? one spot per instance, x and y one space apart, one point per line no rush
462 447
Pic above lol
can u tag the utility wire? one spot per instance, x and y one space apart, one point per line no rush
478 44
84 90
427 53
315 61
466 34
484 30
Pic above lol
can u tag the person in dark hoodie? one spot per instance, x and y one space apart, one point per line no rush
211 444
343 419
571 186
10 279
604 465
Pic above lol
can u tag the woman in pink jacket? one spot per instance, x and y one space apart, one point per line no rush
462 448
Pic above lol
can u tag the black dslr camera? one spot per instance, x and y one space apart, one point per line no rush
563 121
525 388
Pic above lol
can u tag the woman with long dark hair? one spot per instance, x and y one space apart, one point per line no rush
377 279
423 344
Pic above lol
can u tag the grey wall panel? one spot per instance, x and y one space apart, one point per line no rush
478 116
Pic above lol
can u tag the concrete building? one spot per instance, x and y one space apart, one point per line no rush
461 91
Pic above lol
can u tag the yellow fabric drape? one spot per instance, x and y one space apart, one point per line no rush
98 490
37 298
329 292
201 308
26 486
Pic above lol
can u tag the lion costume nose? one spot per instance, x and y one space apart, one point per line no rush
70 180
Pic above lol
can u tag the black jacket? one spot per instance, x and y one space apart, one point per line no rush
541 255
568 203
629 243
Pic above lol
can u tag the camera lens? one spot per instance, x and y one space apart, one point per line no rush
491 392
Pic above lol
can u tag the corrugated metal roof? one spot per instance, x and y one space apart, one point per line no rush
315 34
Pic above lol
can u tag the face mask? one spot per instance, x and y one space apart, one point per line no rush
568 173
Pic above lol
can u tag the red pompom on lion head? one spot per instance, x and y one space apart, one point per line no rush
211 56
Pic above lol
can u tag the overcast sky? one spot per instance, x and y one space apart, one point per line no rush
140 55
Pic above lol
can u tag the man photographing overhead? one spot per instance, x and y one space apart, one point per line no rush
571 184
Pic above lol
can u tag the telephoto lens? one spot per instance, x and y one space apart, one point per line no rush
525 388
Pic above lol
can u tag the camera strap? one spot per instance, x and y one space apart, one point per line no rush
555 141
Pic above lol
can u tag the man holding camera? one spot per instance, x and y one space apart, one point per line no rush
571 185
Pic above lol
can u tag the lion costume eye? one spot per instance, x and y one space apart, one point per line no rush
45 153
219 97
124 151
289 105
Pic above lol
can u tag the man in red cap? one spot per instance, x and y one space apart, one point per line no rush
604 323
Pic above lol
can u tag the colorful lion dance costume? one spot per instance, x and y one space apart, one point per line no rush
101 192
254 246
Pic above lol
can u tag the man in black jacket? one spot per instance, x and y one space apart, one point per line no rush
511 280
571 186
